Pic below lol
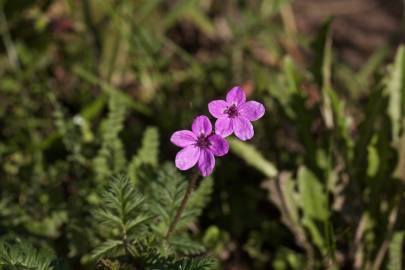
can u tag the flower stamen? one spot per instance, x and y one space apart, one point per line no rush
203 142
232 111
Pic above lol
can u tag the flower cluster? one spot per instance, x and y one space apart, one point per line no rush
202 144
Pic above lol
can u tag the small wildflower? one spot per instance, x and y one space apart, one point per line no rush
235 114
199 145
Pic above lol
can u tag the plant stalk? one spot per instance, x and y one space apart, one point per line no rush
191 185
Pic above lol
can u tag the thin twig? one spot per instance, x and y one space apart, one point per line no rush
191 184
358 246
384 247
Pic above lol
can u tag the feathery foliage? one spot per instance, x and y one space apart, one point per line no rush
193 263
134 226
147 155
111 157
84 82
22 255
165 194
123 219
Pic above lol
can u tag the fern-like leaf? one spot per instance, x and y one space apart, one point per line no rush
123 218
147 155
111 156
22 255
187 263
166 193
185 245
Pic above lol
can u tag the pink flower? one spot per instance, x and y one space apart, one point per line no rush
235 114
199 145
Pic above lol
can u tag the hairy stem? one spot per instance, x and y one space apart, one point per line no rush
191 185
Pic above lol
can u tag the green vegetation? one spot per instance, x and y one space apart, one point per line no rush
90 92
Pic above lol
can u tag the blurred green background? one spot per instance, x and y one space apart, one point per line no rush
321 185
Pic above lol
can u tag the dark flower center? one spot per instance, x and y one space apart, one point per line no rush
232 111
203 142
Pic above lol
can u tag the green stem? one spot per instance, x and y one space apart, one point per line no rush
191 185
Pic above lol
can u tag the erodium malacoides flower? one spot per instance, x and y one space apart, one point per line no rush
235 114
200 145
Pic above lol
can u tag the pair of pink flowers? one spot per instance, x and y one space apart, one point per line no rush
201 144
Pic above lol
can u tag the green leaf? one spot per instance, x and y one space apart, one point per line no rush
148 154
395 251
373 63
122 219
201 196
196 263
252 157
292 76
111 156
287 186
21 255
191 10
108 247
372 157
395 89
322 47
185 263
283 194
315 233
312 195
165 193
185 245
109 89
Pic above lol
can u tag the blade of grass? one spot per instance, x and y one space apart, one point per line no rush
107 88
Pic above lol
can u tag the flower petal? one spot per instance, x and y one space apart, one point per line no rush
183 138
219 146
187 157
206 162
201 125
223 127
251 110
217 108
243 128
236 96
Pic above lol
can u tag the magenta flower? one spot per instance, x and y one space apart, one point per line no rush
235 114
199 145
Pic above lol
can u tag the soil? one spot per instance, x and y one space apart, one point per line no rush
360 26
